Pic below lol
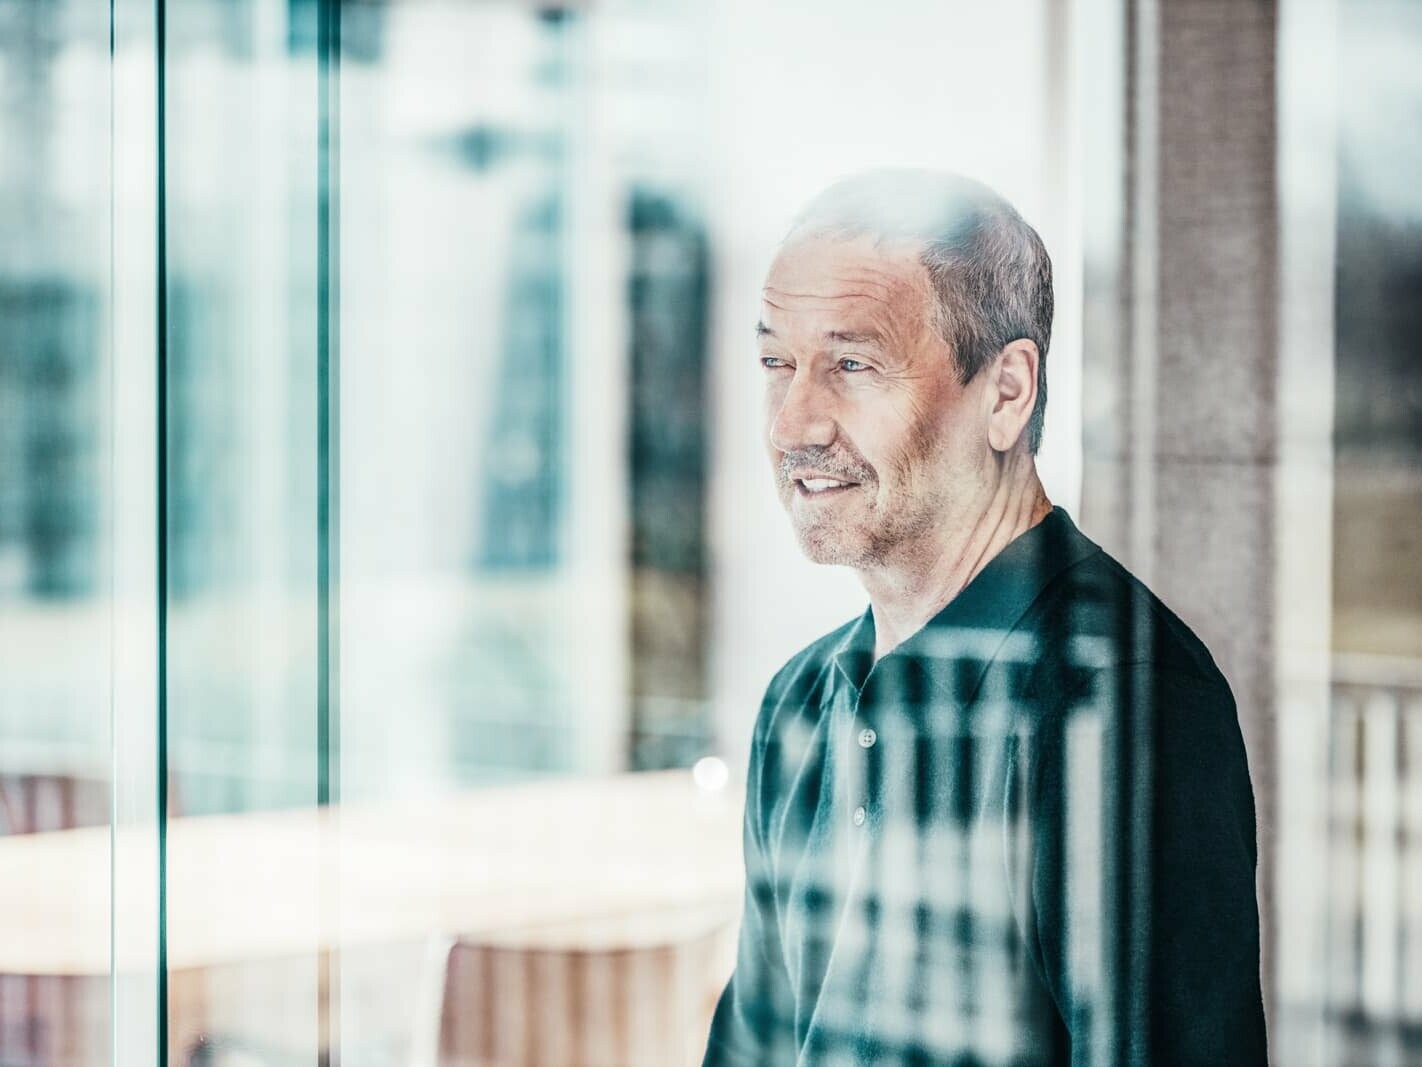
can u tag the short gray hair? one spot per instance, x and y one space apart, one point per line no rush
989 268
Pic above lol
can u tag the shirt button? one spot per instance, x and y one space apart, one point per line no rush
867 737
859 815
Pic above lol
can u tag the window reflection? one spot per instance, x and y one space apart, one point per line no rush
55 494
1365 999
544 485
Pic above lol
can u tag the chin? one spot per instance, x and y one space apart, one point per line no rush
831 548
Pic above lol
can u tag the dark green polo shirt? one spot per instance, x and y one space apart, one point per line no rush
1024 836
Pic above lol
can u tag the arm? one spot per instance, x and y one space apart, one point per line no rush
1177 906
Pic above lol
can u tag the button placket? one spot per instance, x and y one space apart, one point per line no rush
866 737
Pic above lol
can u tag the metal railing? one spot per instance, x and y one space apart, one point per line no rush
1371 981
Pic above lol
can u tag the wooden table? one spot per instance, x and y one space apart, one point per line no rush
569 865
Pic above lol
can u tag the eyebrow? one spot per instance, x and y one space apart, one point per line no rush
843 337
849 337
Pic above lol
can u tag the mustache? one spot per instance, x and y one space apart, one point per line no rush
848 468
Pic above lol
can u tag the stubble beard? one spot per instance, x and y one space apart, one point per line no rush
832 541
888 530
891 529
881 529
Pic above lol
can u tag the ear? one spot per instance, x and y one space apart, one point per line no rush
1012 393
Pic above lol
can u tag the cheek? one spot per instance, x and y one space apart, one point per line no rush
892 436
923 452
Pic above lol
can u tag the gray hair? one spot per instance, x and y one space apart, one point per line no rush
989 268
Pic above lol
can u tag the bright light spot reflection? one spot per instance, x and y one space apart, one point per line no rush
710 774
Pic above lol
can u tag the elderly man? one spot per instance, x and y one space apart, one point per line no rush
1004 816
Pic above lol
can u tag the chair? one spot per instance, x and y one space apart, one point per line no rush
621 992
33 803
50 1018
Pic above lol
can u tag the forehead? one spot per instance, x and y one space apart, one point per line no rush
822 279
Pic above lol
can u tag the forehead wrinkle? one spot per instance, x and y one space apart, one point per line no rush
865 284
818 297
829 324
885 315
891 291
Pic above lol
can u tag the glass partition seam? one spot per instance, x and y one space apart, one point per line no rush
328 45
112 400
161 260
1305 852
327 356
136 936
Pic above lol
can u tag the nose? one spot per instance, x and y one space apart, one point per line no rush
804 417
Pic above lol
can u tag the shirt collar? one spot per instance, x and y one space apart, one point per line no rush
988 607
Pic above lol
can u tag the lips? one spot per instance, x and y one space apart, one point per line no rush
815 484
808 480
819 485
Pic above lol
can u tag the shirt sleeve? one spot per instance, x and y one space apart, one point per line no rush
1156 952
753 1025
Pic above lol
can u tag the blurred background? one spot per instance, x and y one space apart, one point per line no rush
389 567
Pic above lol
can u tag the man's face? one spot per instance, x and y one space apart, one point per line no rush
875 445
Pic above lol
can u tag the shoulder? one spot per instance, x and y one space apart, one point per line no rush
1097 617
1108 646
1113 647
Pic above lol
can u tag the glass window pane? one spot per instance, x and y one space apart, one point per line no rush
242 540
390 570
57 501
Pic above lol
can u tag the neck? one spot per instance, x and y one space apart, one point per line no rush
906 594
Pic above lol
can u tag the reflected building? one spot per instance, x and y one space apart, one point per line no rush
51 451
1364 1004
54 478
668 295
524 464
51 314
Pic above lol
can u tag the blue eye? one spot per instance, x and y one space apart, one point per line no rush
844 364
772 362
